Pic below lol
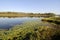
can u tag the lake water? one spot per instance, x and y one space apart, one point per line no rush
6 23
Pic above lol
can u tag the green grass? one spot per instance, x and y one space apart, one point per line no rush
29 31
55 20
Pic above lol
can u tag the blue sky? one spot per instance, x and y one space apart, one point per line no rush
30 6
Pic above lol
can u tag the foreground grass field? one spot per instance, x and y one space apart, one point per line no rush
33 30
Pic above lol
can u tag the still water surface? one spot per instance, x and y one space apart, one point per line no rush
6 23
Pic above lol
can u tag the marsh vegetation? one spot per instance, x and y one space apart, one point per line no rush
29 31
22 14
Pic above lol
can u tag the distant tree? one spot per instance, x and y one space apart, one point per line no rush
30 13
8 12
50 14
38 13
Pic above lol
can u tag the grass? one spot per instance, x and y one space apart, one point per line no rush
22 14
29 31
55 20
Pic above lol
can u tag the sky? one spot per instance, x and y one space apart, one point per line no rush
39 6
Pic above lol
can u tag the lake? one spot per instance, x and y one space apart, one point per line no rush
6 23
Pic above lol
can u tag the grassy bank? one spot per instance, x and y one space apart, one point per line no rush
33 30
22 14
55 20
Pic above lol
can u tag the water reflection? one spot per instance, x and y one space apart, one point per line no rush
6 23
